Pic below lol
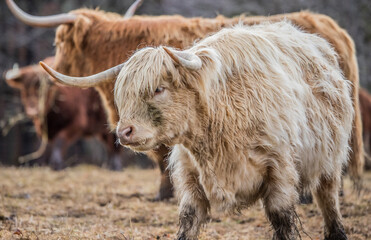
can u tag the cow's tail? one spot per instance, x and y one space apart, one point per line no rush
357 157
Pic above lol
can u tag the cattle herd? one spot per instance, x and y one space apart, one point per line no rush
233 110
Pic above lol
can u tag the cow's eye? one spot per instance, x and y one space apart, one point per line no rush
159 90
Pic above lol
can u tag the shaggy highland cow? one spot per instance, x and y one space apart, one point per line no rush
251 112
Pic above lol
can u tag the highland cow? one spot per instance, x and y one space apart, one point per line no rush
251 113
57 118
85 34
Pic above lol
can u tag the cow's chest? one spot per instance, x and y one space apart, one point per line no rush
232 185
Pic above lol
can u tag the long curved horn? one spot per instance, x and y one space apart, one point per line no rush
46 21
90 81
186 59
130 12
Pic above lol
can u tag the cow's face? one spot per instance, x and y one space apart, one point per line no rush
28 83
155 105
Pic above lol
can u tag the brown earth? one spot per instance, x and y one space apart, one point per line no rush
92 203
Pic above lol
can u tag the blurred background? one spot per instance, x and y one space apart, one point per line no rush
27 45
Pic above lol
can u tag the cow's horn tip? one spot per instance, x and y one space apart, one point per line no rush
44 65
46 68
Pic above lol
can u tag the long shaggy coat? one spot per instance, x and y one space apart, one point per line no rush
268 112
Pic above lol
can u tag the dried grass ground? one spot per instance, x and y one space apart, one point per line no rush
92 203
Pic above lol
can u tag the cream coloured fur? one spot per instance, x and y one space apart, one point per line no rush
268 111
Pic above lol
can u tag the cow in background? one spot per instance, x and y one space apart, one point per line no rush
61 115
85 34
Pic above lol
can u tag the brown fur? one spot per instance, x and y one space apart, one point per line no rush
113 39
365 104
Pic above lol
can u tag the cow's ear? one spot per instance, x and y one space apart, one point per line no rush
14 82
13 77
82 25
186 59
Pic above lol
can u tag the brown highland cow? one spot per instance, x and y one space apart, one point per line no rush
58 120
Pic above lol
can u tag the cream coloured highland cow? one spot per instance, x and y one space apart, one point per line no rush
251 112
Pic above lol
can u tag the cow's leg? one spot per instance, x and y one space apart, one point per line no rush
166 187
194 205
194 208
367 137
115 161
283 223
367 146
357 158
327 197
56 157
280 196
114 151
60 145
305 197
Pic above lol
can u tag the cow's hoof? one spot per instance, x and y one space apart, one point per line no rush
183 237
337 233
115 163
160 197
56 161
164 194
337 236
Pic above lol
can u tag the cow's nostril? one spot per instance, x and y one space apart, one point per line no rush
128 133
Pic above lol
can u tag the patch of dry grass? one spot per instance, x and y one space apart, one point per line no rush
92 203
